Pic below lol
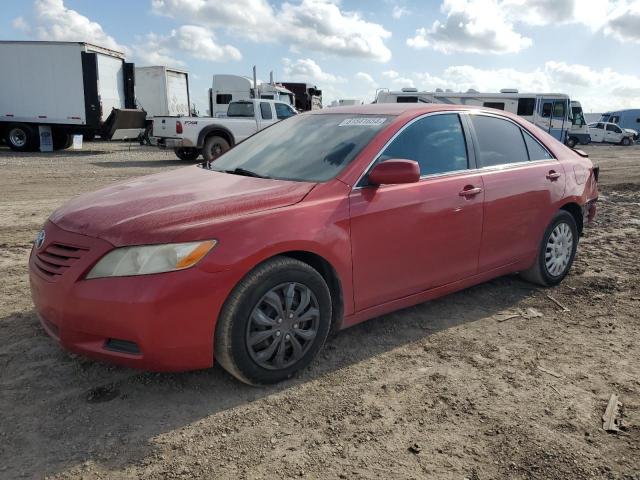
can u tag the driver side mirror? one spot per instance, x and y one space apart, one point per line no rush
395 171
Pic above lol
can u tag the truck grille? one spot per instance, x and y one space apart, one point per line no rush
56 259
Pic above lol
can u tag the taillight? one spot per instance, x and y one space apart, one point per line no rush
178 126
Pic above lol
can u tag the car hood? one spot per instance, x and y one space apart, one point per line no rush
158 208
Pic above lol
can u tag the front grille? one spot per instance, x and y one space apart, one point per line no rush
57 258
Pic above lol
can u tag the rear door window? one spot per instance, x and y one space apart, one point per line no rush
436 142
500 142
547 108
265 111
535 149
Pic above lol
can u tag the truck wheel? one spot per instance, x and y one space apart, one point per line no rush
214 147
22 138
274 322
186 154
61 141
571 142
556 252
626 141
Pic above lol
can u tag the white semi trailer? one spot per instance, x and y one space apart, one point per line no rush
67 87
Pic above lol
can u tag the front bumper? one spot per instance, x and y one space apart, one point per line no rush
169 318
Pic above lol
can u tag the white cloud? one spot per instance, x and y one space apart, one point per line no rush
399 11
624 23
318 25
390 74
53 21
19 23
491 26
477 26
306 69
365 77
195 41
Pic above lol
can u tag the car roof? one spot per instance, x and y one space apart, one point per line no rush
399 109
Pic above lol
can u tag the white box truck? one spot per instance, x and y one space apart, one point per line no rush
71 87
162 92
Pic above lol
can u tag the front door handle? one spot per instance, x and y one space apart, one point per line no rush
470 191
553 175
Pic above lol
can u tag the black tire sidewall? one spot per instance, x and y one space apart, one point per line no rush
240 318
32 142
187 154
572 142
626 142
560 217
209 142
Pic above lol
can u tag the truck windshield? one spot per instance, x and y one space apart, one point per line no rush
309 148
240 109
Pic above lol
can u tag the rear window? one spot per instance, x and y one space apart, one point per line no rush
500 142
407 100
240 109
265 111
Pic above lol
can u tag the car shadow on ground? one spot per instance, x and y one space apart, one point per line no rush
83 410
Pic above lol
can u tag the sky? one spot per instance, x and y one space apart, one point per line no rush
589 49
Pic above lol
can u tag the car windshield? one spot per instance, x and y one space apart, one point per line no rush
310 148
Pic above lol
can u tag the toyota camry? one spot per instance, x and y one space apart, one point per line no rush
315 224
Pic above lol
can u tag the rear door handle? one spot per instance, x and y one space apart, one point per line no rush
552 175
470 191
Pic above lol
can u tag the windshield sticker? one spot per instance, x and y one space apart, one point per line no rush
361 122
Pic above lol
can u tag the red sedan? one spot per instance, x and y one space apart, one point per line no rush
314 224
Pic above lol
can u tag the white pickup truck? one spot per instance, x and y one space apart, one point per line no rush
212 136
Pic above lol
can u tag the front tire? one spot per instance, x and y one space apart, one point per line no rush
572 142
556 253
22 137
274 322
214 146
626 141
186 154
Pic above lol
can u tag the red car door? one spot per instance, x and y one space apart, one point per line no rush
522 183
412 237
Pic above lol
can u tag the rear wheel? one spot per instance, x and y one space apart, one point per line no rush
22 138
61 141
274 322
186 154
214 146
626 141
556 253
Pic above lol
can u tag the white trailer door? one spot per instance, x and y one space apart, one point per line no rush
110 83
177 93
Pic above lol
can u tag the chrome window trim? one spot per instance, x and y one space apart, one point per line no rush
469 142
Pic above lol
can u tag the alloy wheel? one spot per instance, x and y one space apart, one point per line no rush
18 137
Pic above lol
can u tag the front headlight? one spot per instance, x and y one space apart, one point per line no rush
147 259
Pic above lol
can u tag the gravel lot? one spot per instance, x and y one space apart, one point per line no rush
446 389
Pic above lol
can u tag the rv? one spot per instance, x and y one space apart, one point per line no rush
230 88
549 111
626 119
51 90
307 96
345 102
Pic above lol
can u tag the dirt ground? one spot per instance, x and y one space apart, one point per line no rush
450 389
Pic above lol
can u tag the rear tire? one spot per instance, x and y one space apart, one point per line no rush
556 253
214 146
258 307
187 154
22 137
62 141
